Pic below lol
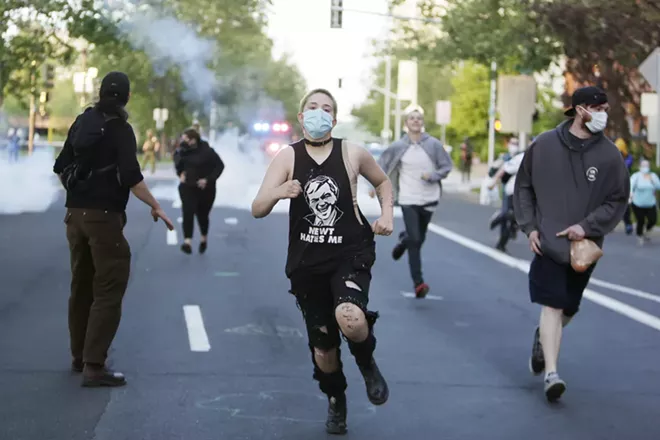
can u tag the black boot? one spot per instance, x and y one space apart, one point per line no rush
336 423
377 390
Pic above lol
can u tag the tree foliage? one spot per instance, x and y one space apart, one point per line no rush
225 50
482 31
604 42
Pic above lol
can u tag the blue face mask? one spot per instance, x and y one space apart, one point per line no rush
317 123
645 170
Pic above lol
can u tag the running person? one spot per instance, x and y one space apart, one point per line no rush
572 184
331 247
198 167
416 164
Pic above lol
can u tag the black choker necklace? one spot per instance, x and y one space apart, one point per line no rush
319 143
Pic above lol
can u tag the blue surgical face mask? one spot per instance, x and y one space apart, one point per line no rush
317 123
644 170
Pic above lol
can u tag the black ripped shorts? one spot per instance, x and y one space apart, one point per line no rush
319 294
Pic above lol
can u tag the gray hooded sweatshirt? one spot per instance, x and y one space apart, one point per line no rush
390 160
565 181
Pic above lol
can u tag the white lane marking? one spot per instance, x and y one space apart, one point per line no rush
412 295
179 220
172 238
231 221
197 337
626 290
177 203
600 299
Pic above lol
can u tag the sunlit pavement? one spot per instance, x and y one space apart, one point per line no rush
456 362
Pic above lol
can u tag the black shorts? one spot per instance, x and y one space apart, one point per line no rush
557 285
318 295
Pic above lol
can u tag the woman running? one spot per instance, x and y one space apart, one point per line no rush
198 167
643 186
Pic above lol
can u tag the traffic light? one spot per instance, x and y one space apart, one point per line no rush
48 76
336 12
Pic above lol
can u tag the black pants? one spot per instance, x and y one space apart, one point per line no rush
196 202
100 269
626 217
318 296
646 218
416 219
507 222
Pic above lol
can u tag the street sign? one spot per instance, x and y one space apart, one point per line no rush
442 112
161 115
516 103
650 68
407 81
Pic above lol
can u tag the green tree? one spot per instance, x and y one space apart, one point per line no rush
505 31
604 41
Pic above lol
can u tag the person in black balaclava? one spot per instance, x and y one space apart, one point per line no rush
101 149
198 167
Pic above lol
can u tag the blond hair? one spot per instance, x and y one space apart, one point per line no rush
303 102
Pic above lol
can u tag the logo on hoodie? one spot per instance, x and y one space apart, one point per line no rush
592 173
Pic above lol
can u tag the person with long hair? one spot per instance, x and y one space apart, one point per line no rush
198 167
99 169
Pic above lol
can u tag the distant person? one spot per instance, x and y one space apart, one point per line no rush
628 160
13 145
331 247
507 175
467 156
644 185
98 168
198 167
416 165
572 184
150 148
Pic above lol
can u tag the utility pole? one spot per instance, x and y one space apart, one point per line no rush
33 107
491 113
388 86
83 99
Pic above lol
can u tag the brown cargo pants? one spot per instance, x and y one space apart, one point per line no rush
100 268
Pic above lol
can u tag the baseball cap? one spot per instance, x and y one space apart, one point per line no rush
586 96
116 85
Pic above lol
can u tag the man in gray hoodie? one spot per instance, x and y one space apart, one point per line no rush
572 184
416 165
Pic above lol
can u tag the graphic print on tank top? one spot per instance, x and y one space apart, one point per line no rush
322 194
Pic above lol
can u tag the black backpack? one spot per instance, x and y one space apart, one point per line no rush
88 131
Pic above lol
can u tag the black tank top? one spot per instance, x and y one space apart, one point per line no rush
324 229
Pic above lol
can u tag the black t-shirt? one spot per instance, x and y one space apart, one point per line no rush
324 228
109 190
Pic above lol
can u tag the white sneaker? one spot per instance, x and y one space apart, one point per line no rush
554 387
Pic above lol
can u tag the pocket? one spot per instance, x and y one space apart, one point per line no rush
556 248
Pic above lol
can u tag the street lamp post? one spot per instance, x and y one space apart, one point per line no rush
83 83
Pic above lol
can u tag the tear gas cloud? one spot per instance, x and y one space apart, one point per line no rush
28 186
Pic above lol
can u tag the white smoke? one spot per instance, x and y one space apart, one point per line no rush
168 41
28 185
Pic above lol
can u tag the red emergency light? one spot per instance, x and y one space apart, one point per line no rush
281 127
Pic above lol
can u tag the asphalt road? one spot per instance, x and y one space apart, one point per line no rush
456 362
